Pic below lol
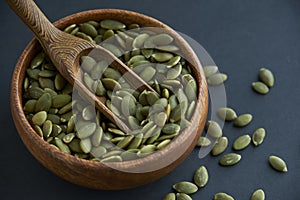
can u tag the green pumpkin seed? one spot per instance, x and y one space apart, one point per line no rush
86 130
70 28
243 120
47 73
88 113
88 29
147 74
227 114
168 48
112 159
125 142
112 24
230 159
161 39
266 76
183 196
258 136
94 23
37 60
46 83
38 130
133 123
260 87
112 73
173 61
39 118
170 196
171 129
258 195
116 131
47 128
185 187
97 152
163 144
136 142
190 110
97 136
33 73
161 119
113 49
162 57
210 70
216 79
108 34
74 31
111 84
86 145
75 145
56 130
241 142
30 105
175 114
151 97
35 92
68 138
222 196
139 40
201 176
213 129
63 147
278 163
128 106
220 146
87 63
203 142
59 82
43 103
100 90
147 149
61 100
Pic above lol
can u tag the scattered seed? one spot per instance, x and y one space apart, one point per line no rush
185 187
278 163
230 159
258 195
266 76
227 114
243 120
222 196
220 146
258 136
201 176
260 87
241 142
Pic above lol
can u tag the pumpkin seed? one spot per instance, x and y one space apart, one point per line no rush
30 106
86 130
87 63
136 142
216 79
46 83
86 145
38 130
258 195
68 138
222 196
213 129
128 155
125 142
230 159
227 114
63 147
147 149
113 49
97 136
59 82
169 48
88 29
75 145
170 196
220 146
37 60
99 151
185 187
161 39
112 159
112 73
60 100
47 73
278 163
70 28
203 142
243 120
201 176
210 70
162 57
116 131
147 74
112 24
260 87
139 40
266 76
241 142
111 84
258 136
171 129
43 103
47 128
163 144
35 92
191 110
183 196
39 118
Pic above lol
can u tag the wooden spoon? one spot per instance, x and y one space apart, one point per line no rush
65 50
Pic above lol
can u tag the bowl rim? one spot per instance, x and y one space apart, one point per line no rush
19 115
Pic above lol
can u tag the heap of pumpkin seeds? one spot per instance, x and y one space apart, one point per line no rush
76 127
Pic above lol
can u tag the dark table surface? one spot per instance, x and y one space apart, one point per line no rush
241 36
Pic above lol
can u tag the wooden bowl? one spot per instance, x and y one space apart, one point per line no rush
112 176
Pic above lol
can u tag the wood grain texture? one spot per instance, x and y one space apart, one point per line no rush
121 175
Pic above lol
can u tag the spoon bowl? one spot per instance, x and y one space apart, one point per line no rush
113 176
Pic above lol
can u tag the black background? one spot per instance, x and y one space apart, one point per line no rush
241 36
